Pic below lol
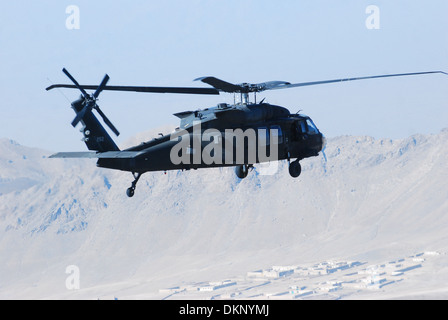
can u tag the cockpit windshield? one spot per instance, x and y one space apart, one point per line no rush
312 129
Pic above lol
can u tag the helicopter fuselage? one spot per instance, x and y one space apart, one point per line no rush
224 136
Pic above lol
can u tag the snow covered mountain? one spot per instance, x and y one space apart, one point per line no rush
373 202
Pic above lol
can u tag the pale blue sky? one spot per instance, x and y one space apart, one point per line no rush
170 43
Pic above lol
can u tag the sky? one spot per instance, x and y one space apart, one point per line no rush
173 42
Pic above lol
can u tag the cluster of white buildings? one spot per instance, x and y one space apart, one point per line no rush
322 268
296 282
361 277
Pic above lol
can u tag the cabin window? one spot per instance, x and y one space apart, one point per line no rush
263 136
217 139
276 131
213 136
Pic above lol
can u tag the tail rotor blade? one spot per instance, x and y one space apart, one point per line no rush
75 82
106 120
101 86
79 116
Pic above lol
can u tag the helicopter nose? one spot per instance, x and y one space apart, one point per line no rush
324 143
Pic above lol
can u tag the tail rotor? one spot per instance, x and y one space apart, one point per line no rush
90 102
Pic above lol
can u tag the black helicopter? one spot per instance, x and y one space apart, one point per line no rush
296 136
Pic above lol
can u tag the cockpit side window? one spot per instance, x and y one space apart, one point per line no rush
298 129
302 126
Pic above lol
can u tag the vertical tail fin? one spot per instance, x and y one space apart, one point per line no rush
95 136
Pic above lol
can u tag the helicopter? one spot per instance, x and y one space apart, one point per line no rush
205 138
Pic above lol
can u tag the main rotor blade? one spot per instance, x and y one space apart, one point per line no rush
106 120
181 90
269 85
221 85
303 84
75 82
101 86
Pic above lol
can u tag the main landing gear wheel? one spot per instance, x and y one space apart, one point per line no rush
295 169
242 171
131 190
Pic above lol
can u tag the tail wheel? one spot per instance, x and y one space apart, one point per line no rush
131 190
295 169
